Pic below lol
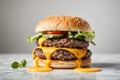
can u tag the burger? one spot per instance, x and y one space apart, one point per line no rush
62 42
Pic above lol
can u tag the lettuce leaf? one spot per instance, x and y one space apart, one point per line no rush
86 36
31 39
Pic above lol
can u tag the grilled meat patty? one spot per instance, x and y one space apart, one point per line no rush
64 42
61 54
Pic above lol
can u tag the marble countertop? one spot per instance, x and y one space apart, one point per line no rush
108 62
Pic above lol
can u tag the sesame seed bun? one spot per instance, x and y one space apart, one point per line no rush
63 23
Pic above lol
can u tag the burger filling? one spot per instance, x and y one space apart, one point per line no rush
62 39
60 54
81 36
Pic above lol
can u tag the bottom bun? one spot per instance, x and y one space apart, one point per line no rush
66 64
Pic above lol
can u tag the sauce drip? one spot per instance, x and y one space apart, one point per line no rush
37 68
79 53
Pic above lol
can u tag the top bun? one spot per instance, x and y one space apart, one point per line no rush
63 23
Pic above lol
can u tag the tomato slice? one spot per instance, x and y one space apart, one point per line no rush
56 32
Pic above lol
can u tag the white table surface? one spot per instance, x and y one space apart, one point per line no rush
108 62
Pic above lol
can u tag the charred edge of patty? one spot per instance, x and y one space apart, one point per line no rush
64 42
61 54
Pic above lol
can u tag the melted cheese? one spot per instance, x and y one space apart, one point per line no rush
88 69
79 53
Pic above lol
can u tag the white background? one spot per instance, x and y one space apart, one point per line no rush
18 19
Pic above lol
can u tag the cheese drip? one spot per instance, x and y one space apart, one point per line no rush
79 53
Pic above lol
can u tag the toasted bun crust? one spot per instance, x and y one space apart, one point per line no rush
63 23
66 64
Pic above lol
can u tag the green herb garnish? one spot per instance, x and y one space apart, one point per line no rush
23 63
16 64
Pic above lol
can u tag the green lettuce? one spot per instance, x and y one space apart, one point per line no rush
31 39
86 36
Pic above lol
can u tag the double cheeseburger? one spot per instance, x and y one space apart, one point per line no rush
62 42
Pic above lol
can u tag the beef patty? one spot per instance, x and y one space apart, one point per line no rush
60 54
64 42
